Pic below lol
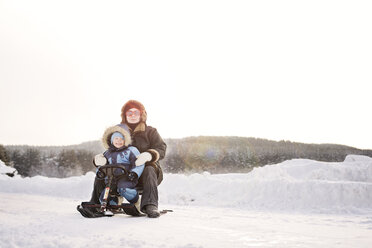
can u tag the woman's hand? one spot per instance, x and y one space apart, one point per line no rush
143 158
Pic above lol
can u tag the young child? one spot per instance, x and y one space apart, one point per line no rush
117 141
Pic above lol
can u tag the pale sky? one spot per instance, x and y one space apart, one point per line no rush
280 70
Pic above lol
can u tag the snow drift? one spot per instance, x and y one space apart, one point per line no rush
299 185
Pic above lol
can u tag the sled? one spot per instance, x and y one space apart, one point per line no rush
111 174
90 210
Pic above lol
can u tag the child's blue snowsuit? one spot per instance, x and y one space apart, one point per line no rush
127 157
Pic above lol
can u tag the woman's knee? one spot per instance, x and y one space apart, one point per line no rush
149 171
151 174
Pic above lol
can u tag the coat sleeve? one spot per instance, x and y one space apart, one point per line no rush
132 157
157 145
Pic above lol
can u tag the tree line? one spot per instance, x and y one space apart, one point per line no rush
192 154
32 161
241 154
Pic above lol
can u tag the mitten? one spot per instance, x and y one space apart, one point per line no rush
100 160
143 158
132 176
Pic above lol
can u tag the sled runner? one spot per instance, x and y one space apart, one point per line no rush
90 210
111 174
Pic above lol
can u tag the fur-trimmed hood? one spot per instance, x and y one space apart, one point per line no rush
133 104
106 138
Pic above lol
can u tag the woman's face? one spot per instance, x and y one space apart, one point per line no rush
133 116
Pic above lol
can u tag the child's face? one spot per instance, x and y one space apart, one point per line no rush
118 142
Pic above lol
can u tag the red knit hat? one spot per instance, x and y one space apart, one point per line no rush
133 104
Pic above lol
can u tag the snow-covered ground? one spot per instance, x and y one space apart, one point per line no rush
297 203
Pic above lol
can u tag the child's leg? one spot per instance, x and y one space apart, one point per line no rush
126 189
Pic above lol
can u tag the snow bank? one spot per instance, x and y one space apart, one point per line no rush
295 185
5 169
73 187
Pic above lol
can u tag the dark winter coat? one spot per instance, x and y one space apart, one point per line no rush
145 138
149 140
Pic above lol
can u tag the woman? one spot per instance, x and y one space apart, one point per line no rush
152 148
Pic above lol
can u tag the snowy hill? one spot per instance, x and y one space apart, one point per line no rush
295 194
299 184
295 185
